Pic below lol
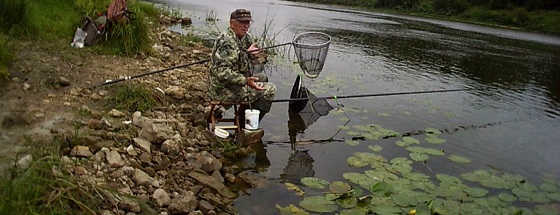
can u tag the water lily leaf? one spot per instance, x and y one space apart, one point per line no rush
410 140
359 179
348 202
476 192
370 157
352 142
546 209
318 204
415 156
433 131
294 188
291 210
332 196
549 187
384 114
356 162
434 140
381 175
506 197
458 159
375 148
315 183
554 196
382 188
371 136
352 133
339 187
448 179
386 210
429 151
354 211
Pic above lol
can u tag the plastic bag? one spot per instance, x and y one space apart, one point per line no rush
79 38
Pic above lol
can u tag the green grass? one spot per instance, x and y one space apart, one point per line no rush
49 20
132 97
45 187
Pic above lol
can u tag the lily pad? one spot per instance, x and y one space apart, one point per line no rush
352 142
339 187
554 196
294 188
506 197
549 187
433 131
546 209
354 211
386 210
476 192
348 202
407 141
443 178
291 210
359 179
434 140
353 133
415 156
315 183
375 148
354 161
381 175
424 150
318 204
459 159
382 188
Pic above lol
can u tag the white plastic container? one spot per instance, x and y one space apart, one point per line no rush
252 119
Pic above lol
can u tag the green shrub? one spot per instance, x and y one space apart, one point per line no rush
12 12
5 57
132 98
92 7
450 7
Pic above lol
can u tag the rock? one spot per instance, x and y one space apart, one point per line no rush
24 162
161 197
80 170
170 147
146 158
81 151
63 81
183 205
156 133
252 178
114 159
95 124
128 170
26 86
217 175
175 92
130 205
196 213
131 151
205 206
106 212
208 162
213 183
125 190
143 144
230 177
142 178
186 21
251 137
115 113
136 117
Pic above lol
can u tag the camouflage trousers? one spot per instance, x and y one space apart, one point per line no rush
258 99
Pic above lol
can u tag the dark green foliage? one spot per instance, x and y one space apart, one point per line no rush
402 4
450 7
5 57
132 98
12 12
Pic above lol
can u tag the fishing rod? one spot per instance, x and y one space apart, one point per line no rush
109 82
372 95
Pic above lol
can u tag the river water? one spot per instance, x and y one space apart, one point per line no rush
509 122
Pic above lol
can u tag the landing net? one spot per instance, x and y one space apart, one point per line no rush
311 49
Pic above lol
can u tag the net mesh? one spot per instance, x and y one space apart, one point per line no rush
311 49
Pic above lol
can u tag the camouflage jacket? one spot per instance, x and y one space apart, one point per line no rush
230 65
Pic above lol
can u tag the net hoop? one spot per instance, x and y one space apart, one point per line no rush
311 49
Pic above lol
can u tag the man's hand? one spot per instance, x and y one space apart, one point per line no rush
254 49
251 82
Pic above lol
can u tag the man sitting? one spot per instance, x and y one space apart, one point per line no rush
234 54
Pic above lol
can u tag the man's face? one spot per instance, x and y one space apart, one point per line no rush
239 27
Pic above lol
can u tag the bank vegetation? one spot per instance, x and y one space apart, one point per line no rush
533 15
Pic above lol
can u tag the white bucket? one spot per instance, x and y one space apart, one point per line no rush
252 119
